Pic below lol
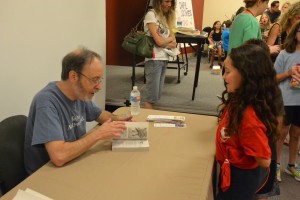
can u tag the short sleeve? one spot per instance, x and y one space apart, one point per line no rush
279 63
253 137
150 18
92 111
252 30
47 126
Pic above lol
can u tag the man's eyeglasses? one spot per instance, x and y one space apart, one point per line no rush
96 80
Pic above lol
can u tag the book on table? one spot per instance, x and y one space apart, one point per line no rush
134 138
166 119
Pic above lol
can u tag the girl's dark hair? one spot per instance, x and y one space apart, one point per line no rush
76 60
259 89
291 40
214 28
240 10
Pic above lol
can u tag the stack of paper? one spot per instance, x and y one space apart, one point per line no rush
29 194
187 31
167 121
216 69
134 138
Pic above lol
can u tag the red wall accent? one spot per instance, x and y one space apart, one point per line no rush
121 16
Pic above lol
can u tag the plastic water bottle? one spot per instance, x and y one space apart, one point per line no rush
135 100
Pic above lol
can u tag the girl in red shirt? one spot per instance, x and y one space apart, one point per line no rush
247 122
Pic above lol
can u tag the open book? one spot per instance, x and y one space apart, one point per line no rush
134 138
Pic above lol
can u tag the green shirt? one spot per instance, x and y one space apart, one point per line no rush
243 28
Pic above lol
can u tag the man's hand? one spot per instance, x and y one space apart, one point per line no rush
109 130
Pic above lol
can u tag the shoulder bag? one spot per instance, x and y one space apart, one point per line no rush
138 42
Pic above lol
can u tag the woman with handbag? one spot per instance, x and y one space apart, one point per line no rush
158 22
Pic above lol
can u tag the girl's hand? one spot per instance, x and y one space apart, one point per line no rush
294 72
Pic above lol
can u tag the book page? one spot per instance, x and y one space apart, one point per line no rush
135 131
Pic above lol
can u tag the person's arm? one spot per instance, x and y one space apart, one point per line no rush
294 72
159 40
273 34
61 152
173 43
282 76
105 115
263 162
210 38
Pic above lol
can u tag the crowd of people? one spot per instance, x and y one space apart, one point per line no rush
259 107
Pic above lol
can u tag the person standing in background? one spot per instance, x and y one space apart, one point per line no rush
159 23
225 36
281 29
287 66
265 26
246 26
285 6
274 11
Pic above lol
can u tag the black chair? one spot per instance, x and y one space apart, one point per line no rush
207 30
12 134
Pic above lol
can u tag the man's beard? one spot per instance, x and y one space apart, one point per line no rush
82 93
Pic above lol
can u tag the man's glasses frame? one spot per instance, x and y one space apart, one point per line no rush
95 81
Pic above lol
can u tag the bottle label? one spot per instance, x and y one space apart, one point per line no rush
135 99
294 83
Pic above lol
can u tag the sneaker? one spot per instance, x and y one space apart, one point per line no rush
294 171
278 174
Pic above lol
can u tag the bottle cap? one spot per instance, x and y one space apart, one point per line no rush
135 87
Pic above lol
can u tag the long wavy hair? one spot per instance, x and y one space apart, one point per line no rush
291 40
259 89
285 18
167 19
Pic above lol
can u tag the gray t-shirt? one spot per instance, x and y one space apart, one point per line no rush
54 117
284 62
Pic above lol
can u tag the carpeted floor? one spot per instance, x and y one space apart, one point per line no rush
175 96
178 97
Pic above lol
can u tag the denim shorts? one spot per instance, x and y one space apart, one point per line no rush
155 71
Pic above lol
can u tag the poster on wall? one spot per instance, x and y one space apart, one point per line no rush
184 14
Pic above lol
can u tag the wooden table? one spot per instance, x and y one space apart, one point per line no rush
178 166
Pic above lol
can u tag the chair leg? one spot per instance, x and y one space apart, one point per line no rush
144 77
212 58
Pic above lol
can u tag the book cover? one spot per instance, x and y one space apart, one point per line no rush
130 145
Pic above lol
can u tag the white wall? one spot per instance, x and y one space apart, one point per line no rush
34 37
223 9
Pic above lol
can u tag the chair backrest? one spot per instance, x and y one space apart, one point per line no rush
208 30
12 134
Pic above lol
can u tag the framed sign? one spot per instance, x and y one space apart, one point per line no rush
184 14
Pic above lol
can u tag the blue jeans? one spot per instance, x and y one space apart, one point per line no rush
155 71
